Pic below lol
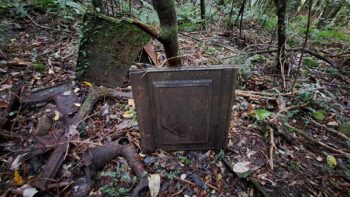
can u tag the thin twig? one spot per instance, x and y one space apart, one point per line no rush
38 25
272 147
304 46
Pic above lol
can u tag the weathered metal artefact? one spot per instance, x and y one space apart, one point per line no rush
95 158
108 47
183 108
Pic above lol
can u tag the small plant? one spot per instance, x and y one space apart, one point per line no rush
219 156
319 115
185 160
38 67
309 62
261 114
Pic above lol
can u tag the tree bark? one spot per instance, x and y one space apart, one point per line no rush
203 9
168 29
281 6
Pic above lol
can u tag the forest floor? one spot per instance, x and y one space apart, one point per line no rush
288 144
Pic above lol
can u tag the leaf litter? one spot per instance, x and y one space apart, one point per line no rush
300 168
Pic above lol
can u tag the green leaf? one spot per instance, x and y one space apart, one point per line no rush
319 115
331 161
261 114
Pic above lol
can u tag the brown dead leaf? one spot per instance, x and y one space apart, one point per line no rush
150 52
3 104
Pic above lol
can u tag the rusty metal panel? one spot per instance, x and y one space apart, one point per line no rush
183 108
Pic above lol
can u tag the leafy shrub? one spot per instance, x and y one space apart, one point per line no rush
332 35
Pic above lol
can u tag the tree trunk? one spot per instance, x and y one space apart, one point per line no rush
330 11
168 29
97 4
203 9
281 6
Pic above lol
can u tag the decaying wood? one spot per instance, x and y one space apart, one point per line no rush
57 158
62 95
13 97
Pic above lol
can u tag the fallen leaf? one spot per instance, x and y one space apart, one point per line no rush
66 93
3 104
57 116
18 178
5 87
154 184
319 115
331 161
77 104
333 123
281 103
131 103
241 167
129 114
88 84
76 90
29 191
17 162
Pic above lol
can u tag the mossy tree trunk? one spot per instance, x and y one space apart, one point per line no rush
168 29
281 6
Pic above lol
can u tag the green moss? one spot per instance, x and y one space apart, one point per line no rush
38 67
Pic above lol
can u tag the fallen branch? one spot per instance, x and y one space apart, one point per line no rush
330 130
253 96
315 141
308 51
38 25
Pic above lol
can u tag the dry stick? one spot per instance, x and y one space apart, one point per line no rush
254 97
308 51
272 146
313 140
38 25
331 130
304 46
193 184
